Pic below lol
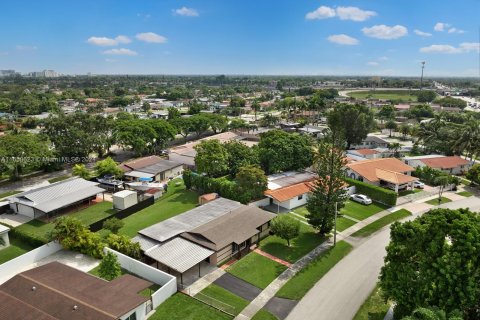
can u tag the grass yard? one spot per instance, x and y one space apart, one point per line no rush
360 211
177 200
465 193
384 94
301 211
9 193
434 202
300 246
344 223
256 269
87 216
407 192
264 315
303 281
61 178
182 307
234 303
374 308
382 222
15 249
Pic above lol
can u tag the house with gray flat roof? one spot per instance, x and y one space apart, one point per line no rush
55 197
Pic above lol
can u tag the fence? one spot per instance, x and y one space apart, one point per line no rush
21 263
214 303
167 282
421 195
122 214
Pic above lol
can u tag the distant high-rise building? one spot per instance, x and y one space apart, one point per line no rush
7 73
44 74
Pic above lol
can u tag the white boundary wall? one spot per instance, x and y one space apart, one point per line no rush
23 262
167 281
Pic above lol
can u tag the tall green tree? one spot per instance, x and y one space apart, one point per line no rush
328 190
252 180
81 171
285 227
434 260
387 112
391 125
240 155
354 122
108 166
211 158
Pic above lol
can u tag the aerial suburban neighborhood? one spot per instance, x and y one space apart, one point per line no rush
239 160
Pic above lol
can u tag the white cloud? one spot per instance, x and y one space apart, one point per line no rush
385 32
455 30
464 47
343 13
343 39
107 42
121 52
373 63
422 33
440 26
151 37
186 12
322 12
354 13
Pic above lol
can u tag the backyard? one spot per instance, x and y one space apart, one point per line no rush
256 269
87 216
299 246
16 248
175 201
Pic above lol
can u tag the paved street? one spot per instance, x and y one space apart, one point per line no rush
340 293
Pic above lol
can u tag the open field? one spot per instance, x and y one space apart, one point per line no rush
384 94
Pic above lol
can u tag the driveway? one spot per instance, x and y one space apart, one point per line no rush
280 307
237 286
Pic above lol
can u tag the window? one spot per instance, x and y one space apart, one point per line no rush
133 316
300 197
234 248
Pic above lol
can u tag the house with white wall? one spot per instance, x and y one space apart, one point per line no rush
453 165
290 197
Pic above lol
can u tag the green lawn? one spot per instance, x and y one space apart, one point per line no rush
360 211
8 193
182 307
465 193
87 216
374 308
344 223
264 315
303 281
61 178
300 246
16 248
382 222
177 200
407 192
256 269
214 294
301 211
434 202
384 94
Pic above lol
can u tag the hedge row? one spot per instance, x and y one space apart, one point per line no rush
382 195
224 187
25 237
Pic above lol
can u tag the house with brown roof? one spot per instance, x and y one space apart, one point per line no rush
56 291
386 172
152 167
453 165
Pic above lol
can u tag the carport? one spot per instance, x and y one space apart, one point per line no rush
395 178
179 255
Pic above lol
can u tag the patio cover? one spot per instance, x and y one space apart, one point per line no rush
139 174
179 254
394 177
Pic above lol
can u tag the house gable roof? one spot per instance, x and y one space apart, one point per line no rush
445 162
368 168
290 192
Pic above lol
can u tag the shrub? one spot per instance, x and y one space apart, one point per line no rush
109 267
124 245
113 224
434 177
382 195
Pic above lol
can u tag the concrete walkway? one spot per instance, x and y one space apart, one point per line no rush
273 258
203 282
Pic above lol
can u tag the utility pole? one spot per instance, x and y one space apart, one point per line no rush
335 227
421 78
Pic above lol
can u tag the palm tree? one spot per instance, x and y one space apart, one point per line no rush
468 139
404 130
395 148
256 108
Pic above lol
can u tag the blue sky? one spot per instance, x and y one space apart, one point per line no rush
382 37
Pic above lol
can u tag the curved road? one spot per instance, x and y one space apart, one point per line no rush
341 292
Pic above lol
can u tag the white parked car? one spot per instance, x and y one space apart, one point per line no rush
361 198
418 184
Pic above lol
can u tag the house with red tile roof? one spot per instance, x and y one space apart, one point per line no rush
449 164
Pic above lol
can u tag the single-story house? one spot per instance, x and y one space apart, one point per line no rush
53 198
56 291
4 240
185 153
386 172
453 165
152 167
371 142
313 131
213 232
365 153
290 197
